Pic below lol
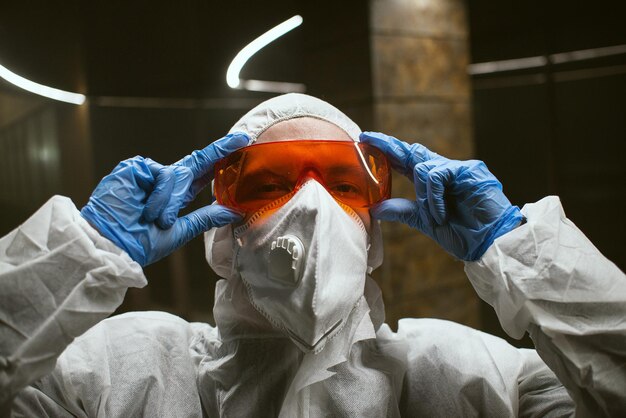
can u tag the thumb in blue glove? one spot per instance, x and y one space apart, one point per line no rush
459 204
137 205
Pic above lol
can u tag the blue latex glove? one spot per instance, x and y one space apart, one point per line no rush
136 206
459 204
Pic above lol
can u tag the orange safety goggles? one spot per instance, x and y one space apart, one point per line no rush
355 174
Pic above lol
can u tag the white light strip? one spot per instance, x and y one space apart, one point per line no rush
586 54
40 89
506 65
232 74
540 61
272 86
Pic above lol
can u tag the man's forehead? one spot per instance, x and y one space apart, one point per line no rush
303 128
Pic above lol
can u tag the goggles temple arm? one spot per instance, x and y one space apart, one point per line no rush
358 150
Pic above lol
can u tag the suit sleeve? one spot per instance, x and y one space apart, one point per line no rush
58 278
546 278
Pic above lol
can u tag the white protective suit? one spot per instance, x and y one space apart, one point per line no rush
59 279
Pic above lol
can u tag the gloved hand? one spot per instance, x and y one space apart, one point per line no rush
459 204
136 206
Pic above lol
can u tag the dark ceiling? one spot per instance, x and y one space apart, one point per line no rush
513 29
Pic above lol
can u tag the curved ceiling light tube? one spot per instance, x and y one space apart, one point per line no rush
40 89
232 74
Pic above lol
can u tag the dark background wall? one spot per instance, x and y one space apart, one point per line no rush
557 129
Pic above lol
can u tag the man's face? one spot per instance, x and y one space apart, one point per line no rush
310 128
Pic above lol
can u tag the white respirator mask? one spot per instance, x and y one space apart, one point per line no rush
303 264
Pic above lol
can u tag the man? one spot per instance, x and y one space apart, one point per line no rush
300 327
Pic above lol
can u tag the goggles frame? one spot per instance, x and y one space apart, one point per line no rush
354 173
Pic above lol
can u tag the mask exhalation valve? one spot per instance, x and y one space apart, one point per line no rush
286 259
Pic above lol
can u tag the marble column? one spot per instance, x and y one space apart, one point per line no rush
421 93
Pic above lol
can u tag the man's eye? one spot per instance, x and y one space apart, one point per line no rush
273 188
345 188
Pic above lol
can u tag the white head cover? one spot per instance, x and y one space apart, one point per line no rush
291 106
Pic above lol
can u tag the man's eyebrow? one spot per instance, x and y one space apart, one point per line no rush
263 171
344 168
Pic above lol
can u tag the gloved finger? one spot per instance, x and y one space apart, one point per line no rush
439 180
182 181
420 178
397 210
420 181
402 156
203 219
202 162
160 196
139 169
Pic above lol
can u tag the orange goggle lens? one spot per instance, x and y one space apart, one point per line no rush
355 174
